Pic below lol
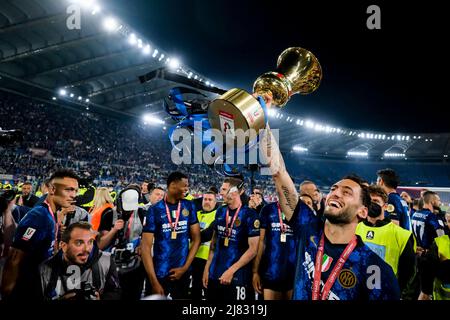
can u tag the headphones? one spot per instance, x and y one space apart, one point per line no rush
119 197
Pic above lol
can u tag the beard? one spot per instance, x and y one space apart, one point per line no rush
345 216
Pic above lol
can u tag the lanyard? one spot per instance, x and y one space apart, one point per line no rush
337 268
55 245
172 225
282 225
230 229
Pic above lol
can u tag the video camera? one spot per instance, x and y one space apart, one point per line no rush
6 196
86 292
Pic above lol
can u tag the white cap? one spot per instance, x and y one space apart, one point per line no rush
130 200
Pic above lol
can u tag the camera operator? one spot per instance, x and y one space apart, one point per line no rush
79 271
120 232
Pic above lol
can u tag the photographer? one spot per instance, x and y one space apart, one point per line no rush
120 232
79 271
27 199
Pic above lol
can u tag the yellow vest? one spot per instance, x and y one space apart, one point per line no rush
439 291
189 197
205 220
90 204
387 241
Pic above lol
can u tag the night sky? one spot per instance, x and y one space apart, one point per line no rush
389 80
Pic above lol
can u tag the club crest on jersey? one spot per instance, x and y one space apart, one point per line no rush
390 208
370 235
237 222
185 212
256 223
347 279
28 234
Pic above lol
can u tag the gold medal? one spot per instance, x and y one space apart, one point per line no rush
225 242
173 235
283 237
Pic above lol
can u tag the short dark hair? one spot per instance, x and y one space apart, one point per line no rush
213 189
305 182
159 188
27 183
234 182
64 173
390 177
65 237
378 191
428 196
175 177
365 196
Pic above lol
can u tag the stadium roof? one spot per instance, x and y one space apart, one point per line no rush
98 64
100 59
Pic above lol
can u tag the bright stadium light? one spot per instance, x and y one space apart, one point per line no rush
62 92
54 98
80 98
299 149
393 155
72 95
132 39
161 57
360 154
155 53
175 63
87 100
139 43
149 119
147 49
96 9
110 24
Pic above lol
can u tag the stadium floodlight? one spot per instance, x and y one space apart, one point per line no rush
87 100
147 49
393 155
87 108
149 119
155 53
96 9
207 83
383 137
175 63
53 98
360 154
132 39
110 24
195 77
62 92
72 95
299 149
309 124
161 57
80 98
164 128
139 43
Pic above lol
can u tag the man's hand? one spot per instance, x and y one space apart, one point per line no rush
205 277
257 283
227 276
157 289
424 296
118 225
176 273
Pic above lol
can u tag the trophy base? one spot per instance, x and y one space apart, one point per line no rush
236 109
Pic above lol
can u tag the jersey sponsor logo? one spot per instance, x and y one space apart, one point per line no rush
256 224
390 208
185 212
28 234
347 279
370 235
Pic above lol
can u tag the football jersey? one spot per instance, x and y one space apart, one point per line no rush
170 253
278 259
425 225
398 209
245 226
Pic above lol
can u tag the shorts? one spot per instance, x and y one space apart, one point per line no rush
279 286
177 289
231 292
